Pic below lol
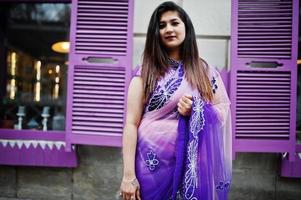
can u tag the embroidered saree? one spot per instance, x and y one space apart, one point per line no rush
181 157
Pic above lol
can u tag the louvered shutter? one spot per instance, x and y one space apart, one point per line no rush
99 70
263 75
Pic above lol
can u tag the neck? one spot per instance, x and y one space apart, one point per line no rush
174 54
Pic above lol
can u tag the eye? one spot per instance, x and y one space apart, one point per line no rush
162 26
175 23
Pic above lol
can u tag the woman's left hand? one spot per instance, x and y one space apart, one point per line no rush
130 189
185 104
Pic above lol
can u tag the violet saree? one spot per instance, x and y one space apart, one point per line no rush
181 157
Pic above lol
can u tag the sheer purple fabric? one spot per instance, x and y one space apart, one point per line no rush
181 157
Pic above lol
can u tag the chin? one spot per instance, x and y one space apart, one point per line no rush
172 46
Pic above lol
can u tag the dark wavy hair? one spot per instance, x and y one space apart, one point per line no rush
155 57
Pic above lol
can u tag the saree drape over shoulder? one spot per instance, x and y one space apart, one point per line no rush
184 157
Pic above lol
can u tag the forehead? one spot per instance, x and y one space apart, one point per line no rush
170 15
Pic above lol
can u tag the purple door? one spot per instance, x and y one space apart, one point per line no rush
99 71
263 75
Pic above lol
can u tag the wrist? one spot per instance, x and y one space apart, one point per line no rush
129 177
133 181
129 174
129 180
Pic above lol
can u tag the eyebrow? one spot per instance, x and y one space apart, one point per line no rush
172 20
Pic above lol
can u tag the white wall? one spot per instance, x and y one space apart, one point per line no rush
211 19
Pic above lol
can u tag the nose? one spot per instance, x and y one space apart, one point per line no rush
169 28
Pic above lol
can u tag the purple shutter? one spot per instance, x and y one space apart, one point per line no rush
263 75
99 71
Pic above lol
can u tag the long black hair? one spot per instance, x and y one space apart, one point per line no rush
155 57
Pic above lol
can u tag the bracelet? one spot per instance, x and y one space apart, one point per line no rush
133 182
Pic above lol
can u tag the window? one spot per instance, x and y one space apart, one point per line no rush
33 65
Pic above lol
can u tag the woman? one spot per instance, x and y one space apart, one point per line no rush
176 142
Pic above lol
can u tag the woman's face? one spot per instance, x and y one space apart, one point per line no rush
172 30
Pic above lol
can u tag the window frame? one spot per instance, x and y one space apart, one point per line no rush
34 156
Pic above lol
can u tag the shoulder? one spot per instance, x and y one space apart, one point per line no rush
137 71
213 73
136 82
135 89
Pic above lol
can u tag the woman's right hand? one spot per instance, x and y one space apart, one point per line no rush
185 105
130 189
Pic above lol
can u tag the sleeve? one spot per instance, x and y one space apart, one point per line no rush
221 103
137 71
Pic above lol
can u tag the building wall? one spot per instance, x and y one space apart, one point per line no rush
211 21
255 176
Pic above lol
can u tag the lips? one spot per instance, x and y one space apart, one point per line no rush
170 37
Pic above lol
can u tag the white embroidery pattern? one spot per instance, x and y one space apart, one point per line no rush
151 162
197 120
196 125
165 89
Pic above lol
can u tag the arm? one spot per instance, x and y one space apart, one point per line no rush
133 117
221 101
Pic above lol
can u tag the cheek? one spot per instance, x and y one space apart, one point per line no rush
161 34
183 31
183 35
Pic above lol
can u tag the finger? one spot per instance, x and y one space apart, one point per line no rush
184 110
185 106
187 100
189 96
138 194
127 197
182 99
181 111
180 106
132 195
181 103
